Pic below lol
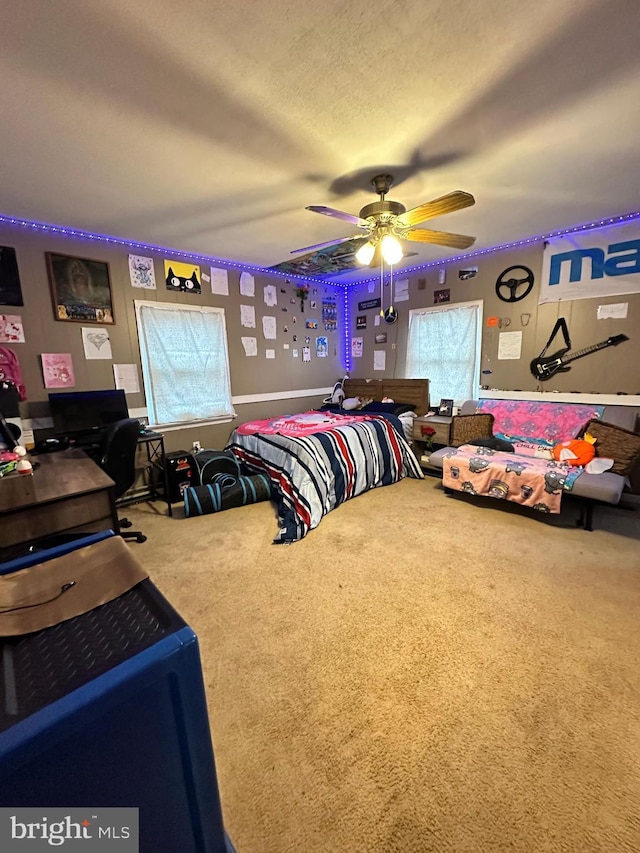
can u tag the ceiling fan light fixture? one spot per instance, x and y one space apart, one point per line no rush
365 253
391 249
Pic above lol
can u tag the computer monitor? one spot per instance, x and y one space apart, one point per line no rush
84 411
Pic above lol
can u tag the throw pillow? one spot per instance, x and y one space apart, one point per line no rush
493 443
613 442
465 428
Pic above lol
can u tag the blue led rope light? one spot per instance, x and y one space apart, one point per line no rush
346 331
150 247
587 226
132 244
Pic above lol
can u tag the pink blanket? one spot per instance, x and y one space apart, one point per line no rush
536 483
299 424
542 421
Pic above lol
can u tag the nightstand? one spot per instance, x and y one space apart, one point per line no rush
441 437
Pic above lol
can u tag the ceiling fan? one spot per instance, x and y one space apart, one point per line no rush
388 222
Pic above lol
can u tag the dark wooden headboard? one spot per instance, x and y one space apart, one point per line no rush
414 391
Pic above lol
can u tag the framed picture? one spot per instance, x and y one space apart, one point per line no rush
445 408
80 289
10 290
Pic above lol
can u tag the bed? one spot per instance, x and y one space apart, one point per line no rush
316 460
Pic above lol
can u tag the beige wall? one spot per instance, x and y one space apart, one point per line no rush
608 371
612 370
249 376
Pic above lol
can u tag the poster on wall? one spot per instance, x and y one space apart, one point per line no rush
141 272
369 303
322 347
270 295
219 281
401 290
126 378
96 343
11 331
467 273
10 290
247 284
602 262
269 328
57 370
329 314
250 346
509 345
356 347
181 277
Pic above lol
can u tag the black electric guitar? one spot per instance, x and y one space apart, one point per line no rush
545 368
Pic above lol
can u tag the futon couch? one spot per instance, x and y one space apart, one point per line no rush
522 427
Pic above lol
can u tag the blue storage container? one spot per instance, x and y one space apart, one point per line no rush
108 709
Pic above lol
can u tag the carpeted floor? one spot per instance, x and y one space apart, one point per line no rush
419 674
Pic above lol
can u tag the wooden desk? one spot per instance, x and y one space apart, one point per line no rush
67 492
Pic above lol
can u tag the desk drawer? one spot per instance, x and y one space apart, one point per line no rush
91 512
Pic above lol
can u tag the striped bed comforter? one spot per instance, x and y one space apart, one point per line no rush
317 460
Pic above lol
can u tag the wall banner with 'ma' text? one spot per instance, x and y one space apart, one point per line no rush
603 262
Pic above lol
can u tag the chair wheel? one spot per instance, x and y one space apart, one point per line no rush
124 522
141 537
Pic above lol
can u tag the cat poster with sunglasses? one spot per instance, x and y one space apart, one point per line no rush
182 278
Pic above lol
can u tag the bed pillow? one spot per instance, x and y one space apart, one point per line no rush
351 403
614 442
388 408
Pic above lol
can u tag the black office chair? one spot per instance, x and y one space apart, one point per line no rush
117 458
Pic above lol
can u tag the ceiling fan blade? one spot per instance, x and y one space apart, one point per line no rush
323 245
438 207
337 214
440 238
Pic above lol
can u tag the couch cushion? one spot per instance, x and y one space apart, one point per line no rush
605 487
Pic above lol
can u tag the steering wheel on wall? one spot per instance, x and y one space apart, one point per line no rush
512 284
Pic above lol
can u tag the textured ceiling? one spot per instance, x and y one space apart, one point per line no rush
208 126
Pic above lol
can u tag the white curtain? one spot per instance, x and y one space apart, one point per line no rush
443 346
185 363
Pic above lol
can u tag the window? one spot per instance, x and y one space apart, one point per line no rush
185 363
443 345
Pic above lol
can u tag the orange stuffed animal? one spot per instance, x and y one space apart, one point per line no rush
577 451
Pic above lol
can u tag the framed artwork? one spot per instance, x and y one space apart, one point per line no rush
445 407
80 289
